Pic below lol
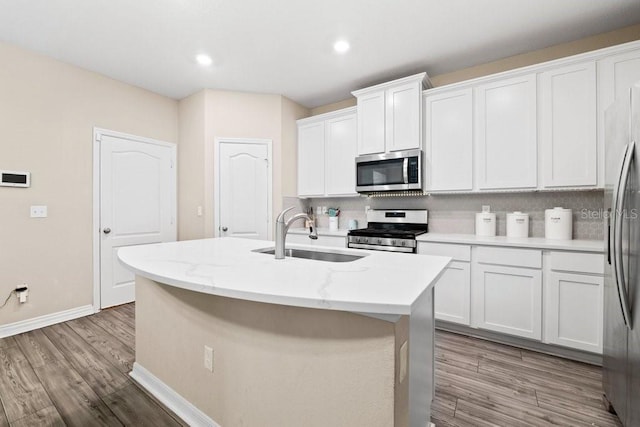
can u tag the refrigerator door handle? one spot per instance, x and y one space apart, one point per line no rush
618 220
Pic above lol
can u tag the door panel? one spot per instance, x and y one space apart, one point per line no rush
244 190
137 206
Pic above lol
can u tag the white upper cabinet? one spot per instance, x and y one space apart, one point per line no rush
567 108
371 124
506 133
326 154
449 141
311 159
616 74
403 124
340 145
389 115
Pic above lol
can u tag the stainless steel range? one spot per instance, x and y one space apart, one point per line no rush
390 230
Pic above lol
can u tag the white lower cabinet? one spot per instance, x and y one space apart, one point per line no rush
323 240
555 297
506 291
508 299
453 288
574 290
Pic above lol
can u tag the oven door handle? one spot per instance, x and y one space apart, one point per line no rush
405 170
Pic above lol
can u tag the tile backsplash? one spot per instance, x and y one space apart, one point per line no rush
456 213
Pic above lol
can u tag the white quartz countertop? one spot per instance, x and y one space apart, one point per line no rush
523 242
381 282
321 231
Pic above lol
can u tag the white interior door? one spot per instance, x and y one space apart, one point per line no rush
244 190
137 206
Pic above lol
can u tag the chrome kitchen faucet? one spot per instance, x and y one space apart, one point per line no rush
282 227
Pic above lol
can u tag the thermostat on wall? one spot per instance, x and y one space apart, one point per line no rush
15 179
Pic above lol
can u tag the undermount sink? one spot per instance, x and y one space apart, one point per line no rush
314 255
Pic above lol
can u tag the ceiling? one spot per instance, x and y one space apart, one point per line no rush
285 46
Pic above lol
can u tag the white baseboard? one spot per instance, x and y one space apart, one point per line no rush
172 400
46 320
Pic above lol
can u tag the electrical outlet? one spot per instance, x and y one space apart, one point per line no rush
22 296
38 211
208 358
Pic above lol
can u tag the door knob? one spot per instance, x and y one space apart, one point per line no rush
106 231
224 228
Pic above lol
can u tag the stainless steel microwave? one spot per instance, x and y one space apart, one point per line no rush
398 170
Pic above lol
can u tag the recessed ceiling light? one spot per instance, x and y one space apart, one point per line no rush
341 46
204 60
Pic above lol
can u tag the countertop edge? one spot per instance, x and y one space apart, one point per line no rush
595 246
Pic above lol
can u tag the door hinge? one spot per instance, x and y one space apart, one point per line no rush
171 161
99 137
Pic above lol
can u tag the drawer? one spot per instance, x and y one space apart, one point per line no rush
530 258
457 252
576 262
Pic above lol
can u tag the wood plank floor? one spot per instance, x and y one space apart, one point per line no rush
75 374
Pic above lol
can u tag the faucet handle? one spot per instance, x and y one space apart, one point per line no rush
280 217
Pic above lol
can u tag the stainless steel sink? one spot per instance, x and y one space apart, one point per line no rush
334 256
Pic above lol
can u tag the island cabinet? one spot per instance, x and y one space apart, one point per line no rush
505 112
567 123
390 115
326 154
507 291
293 342
449 140
453 288
573 289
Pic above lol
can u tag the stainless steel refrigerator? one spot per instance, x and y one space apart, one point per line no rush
621 361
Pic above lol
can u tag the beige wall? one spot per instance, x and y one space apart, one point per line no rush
599 41
47 113
191 166
211 114
274 365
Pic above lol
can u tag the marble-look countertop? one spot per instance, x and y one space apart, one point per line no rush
381 282
523 242
321 231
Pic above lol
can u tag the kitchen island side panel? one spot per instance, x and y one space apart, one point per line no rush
274 365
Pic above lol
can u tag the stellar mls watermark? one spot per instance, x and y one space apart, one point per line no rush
608 213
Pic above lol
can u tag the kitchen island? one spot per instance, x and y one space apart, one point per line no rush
294 341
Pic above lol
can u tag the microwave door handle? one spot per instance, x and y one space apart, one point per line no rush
405 170
618 221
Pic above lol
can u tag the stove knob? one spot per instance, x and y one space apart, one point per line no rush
393 243
379 241
404 243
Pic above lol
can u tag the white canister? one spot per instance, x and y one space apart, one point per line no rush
558 224
333 223
486 224
517 224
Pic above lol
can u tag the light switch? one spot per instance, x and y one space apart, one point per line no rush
38 211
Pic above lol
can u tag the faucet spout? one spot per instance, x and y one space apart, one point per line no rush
282 227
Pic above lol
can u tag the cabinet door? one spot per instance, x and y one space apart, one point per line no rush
573 311
371 112
403 124
311 159
506 133
449 141
568 126
616 74
508 300
341 141
452 294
